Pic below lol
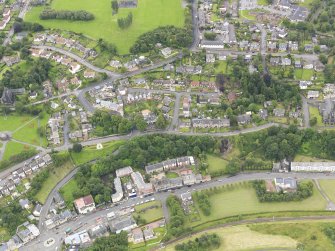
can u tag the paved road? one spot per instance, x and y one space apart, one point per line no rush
22 13
90 219
77 58
175 118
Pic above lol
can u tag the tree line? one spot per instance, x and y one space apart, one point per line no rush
204 203
125 22
176 225
205 242
304 191
80 15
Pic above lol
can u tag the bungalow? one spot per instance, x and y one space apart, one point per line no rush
286 62
85 204
243 119
118 225
263 113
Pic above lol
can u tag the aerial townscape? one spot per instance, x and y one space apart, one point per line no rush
173 125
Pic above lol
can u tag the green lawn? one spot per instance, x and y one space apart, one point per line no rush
303 74
13 122
309 234
314 112
328 186
90 152
172 175
148 15
149 214
67 191
56 175
245 14
14 148
262 2
216 164
29 133
238 238
243 200
222 67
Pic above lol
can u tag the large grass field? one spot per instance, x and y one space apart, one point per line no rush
150 212
90 152
148 15
14 148
309 235
328 186
29 133
56 175
238 238
13 122
243 200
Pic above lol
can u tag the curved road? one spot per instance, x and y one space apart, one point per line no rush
77 58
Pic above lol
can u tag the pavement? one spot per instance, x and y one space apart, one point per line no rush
85 221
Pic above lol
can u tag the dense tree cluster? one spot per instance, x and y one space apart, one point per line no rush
26 26
125 22
11 217
107 124
203 243
167 36
115 6
177 219
117 242
204 203
304 191
137 153
80 15
108 47
23 78
37 182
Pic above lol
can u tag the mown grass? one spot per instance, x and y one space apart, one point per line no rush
67 191
314 112
14 148
56 175
90 153
303 74
149 15
238 238
309 235
150 212
239 199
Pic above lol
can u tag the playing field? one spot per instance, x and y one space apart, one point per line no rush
13 122
242 238
243 200
148 15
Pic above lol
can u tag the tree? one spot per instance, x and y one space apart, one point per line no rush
115 6
313 121
77 147
161 122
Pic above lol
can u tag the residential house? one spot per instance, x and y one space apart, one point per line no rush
85 204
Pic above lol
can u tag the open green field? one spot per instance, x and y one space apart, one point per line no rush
303 74
328 186
309 235
90 153
148 15
56 175
150 212
14 148
314 112
216 164
241 200
67 191
29 134
13 122
239 238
